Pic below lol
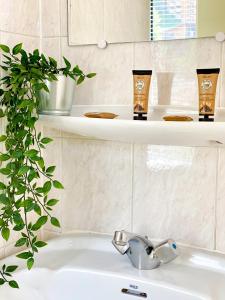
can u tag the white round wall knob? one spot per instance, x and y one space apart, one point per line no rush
220 36
102 44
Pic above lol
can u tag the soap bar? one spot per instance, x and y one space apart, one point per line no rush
178 118
100 115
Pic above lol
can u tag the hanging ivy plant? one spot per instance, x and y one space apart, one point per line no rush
22 162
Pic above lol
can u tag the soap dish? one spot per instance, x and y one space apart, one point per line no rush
100 115
176 118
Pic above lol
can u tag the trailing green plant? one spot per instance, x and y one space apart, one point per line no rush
25 204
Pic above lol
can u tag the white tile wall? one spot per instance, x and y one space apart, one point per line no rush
113 83
98 185
50 13
29 42
222 77
20 16
174 193
220 204
52 47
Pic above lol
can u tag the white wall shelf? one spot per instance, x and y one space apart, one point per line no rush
155 131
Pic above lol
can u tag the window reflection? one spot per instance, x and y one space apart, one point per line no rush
173 19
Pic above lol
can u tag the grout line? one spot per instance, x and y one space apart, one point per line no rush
134 56
60 30
40 25
53 36
222 104
220 77
132 189
216 199
21 34
103 21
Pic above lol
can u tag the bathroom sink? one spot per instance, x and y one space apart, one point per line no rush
87 267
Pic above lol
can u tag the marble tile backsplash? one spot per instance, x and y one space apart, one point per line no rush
175 187
156 190
98 185
20 16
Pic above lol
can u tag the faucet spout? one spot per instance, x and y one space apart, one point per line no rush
142 252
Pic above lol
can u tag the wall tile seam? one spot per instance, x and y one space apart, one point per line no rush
222 64
60 31
216 199
132 187
220 78
91 140
40 27
54 37
19 34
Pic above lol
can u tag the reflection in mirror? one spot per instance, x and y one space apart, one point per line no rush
174 19
118 21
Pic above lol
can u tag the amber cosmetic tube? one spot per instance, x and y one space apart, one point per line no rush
207 83
142 81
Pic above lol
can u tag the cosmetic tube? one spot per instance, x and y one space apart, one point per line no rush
207 83
142 81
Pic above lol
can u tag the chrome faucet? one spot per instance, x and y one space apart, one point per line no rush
141 251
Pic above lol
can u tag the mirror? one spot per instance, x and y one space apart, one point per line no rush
119 21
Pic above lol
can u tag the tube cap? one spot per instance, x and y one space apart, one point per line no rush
140 117
206 118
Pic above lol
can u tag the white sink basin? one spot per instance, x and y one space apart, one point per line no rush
87 267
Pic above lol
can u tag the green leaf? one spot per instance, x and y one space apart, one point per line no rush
52 202
25 255
4 199
21 242
2 281
58 185
17 218
46 140
3 138
77 71
30 263
25 103
40 244
5 233
37 209
2 186
41 163
4 157
5 171
4 48
55 222
2 114
11 269
39 190
91 75
50 169
41 86
23 170
44 60
40 222
36 52
17 49
31 153
68 64
47 187
13 284
80 79
19 227
53 62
